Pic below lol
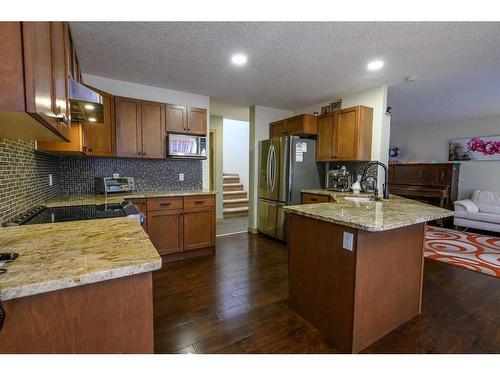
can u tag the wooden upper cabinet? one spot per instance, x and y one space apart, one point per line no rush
33 91
326 144
140 128
197 121
100 138
176 118
345 135
302 124
60 104
277 129
188 120
153 129
128 127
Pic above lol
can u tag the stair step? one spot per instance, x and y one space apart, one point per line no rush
237 194
234 203
232 187
235 212
231 179
231 174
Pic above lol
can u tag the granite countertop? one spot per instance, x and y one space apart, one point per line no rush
64 255
84 199
376 216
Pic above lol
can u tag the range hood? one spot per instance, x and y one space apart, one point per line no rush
86 105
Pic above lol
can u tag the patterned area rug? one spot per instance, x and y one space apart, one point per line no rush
475 252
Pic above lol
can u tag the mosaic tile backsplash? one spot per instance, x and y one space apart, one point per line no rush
24 177
77 173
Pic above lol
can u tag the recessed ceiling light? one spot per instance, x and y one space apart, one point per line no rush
92 119
89 106
375 65
239 59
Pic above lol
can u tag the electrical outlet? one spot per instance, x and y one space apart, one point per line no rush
348 241
50 180
181 176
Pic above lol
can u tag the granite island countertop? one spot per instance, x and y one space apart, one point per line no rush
372 216
69 254
85 199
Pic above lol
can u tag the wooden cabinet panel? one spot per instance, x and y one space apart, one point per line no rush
196 202
176 118
278 129
128 127
153 129
327 136
11 68
199 228
100 138
308 198
60 105
197 121
347 135
302 124
165 230
165 203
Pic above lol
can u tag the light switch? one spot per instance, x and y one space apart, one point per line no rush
348 241
181 176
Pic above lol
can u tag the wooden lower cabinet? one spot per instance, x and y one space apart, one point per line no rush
199 228
180 227
165 230
308 198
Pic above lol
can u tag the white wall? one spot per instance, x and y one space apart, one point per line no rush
377 99
229 111
216 124
236 149
260 117
430 143
139 91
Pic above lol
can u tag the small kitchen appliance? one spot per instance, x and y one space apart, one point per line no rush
106 185
186 146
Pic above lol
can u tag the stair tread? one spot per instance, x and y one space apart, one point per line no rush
235 209
236 200
232 184
235 192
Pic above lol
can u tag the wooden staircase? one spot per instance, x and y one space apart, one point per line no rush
235 199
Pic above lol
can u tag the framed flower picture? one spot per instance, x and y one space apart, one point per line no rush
476 148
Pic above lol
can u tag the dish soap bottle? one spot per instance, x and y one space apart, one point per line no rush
356 187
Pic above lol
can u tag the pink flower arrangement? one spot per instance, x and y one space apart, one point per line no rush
486 148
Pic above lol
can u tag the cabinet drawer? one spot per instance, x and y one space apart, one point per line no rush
199 201
314 198
167 203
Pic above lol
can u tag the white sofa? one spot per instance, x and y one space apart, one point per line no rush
481 211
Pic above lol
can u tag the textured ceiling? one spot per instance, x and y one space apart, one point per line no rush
292 65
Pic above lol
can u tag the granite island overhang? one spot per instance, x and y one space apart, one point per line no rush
356 268
78 287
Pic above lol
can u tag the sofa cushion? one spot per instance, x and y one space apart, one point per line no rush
487 201
478 216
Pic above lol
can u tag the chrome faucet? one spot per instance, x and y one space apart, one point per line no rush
365 168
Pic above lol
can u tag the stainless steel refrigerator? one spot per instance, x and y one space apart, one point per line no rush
287 165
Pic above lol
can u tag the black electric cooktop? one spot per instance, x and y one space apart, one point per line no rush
42 215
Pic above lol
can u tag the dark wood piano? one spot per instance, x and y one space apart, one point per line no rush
433 183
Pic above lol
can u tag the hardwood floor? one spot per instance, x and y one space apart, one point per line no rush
236 302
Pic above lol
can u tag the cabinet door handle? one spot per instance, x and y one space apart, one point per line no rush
164 204
139 153
199 202
143 154
314 200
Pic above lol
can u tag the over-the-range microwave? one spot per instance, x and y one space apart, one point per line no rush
190 146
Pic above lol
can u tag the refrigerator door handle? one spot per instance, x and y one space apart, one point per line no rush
268 167
273 169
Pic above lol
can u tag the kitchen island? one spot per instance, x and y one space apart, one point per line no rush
78 287
356 266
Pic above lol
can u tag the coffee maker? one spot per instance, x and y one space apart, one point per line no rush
338 179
